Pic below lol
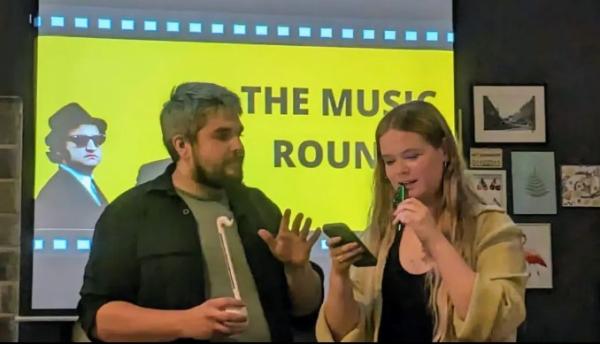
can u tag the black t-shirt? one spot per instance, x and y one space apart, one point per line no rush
405 314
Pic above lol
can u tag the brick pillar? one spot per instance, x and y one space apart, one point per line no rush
11 114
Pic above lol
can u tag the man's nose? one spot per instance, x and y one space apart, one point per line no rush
237 145
91 146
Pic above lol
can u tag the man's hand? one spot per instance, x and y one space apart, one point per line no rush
213 320
291 246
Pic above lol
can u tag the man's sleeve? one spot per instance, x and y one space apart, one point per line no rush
111 273
309 321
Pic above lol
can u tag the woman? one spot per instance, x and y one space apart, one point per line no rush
449 267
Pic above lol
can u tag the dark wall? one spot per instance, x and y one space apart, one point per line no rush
17 79
556 43
16 42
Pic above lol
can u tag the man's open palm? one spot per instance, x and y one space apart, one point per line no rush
291 245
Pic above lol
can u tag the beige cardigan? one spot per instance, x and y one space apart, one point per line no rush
497 304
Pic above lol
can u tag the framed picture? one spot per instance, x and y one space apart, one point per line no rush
509 113
580 185
485 158
490 185
538 254
533 183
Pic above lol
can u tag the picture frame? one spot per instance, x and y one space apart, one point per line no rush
533 183
537 248
490 185
580 185
509 113
485 158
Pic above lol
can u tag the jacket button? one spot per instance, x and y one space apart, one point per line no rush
186 211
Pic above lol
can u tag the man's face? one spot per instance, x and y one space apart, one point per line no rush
218 152
83 145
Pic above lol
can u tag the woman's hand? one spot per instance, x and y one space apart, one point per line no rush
343 256
414 214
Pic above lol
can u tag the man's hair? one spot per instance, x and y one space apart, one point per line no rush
186 111
67 118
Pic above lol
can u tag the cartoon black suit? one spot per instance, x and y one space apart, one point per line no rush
65 203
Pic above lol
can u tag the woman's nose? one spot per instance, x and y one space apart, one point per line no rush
401 167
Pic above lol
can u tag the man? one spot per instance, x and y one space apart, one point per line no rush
71 198
157 269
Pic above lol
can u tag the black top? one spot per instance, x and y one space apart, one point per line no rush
405 315
146 250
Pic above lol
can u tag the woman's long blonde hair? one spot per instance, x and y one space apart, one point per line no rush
456 196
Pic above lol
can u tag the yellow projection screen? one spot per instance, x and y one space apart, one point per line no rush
314 78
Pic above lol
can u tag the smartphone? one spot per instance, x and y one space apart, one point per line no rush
342 230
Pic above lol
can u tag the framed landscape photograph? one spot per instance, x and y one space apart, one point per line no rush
507 113
490 185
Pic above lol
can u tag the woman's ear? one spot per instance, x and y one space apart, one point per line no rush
445 150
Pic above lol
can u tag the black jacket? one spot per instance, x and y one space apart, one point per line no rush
146 251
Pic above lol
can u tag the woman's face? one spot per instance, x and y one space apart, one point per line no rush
410 160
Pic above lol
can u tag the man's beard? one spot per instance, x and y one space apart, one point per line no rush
218 179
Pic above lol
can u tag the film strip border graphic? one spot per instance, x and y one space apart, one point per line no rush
83 243
62 241
62 244
239 28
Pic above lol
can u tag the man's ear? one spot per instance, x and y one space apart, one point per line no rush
181 145
64 155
